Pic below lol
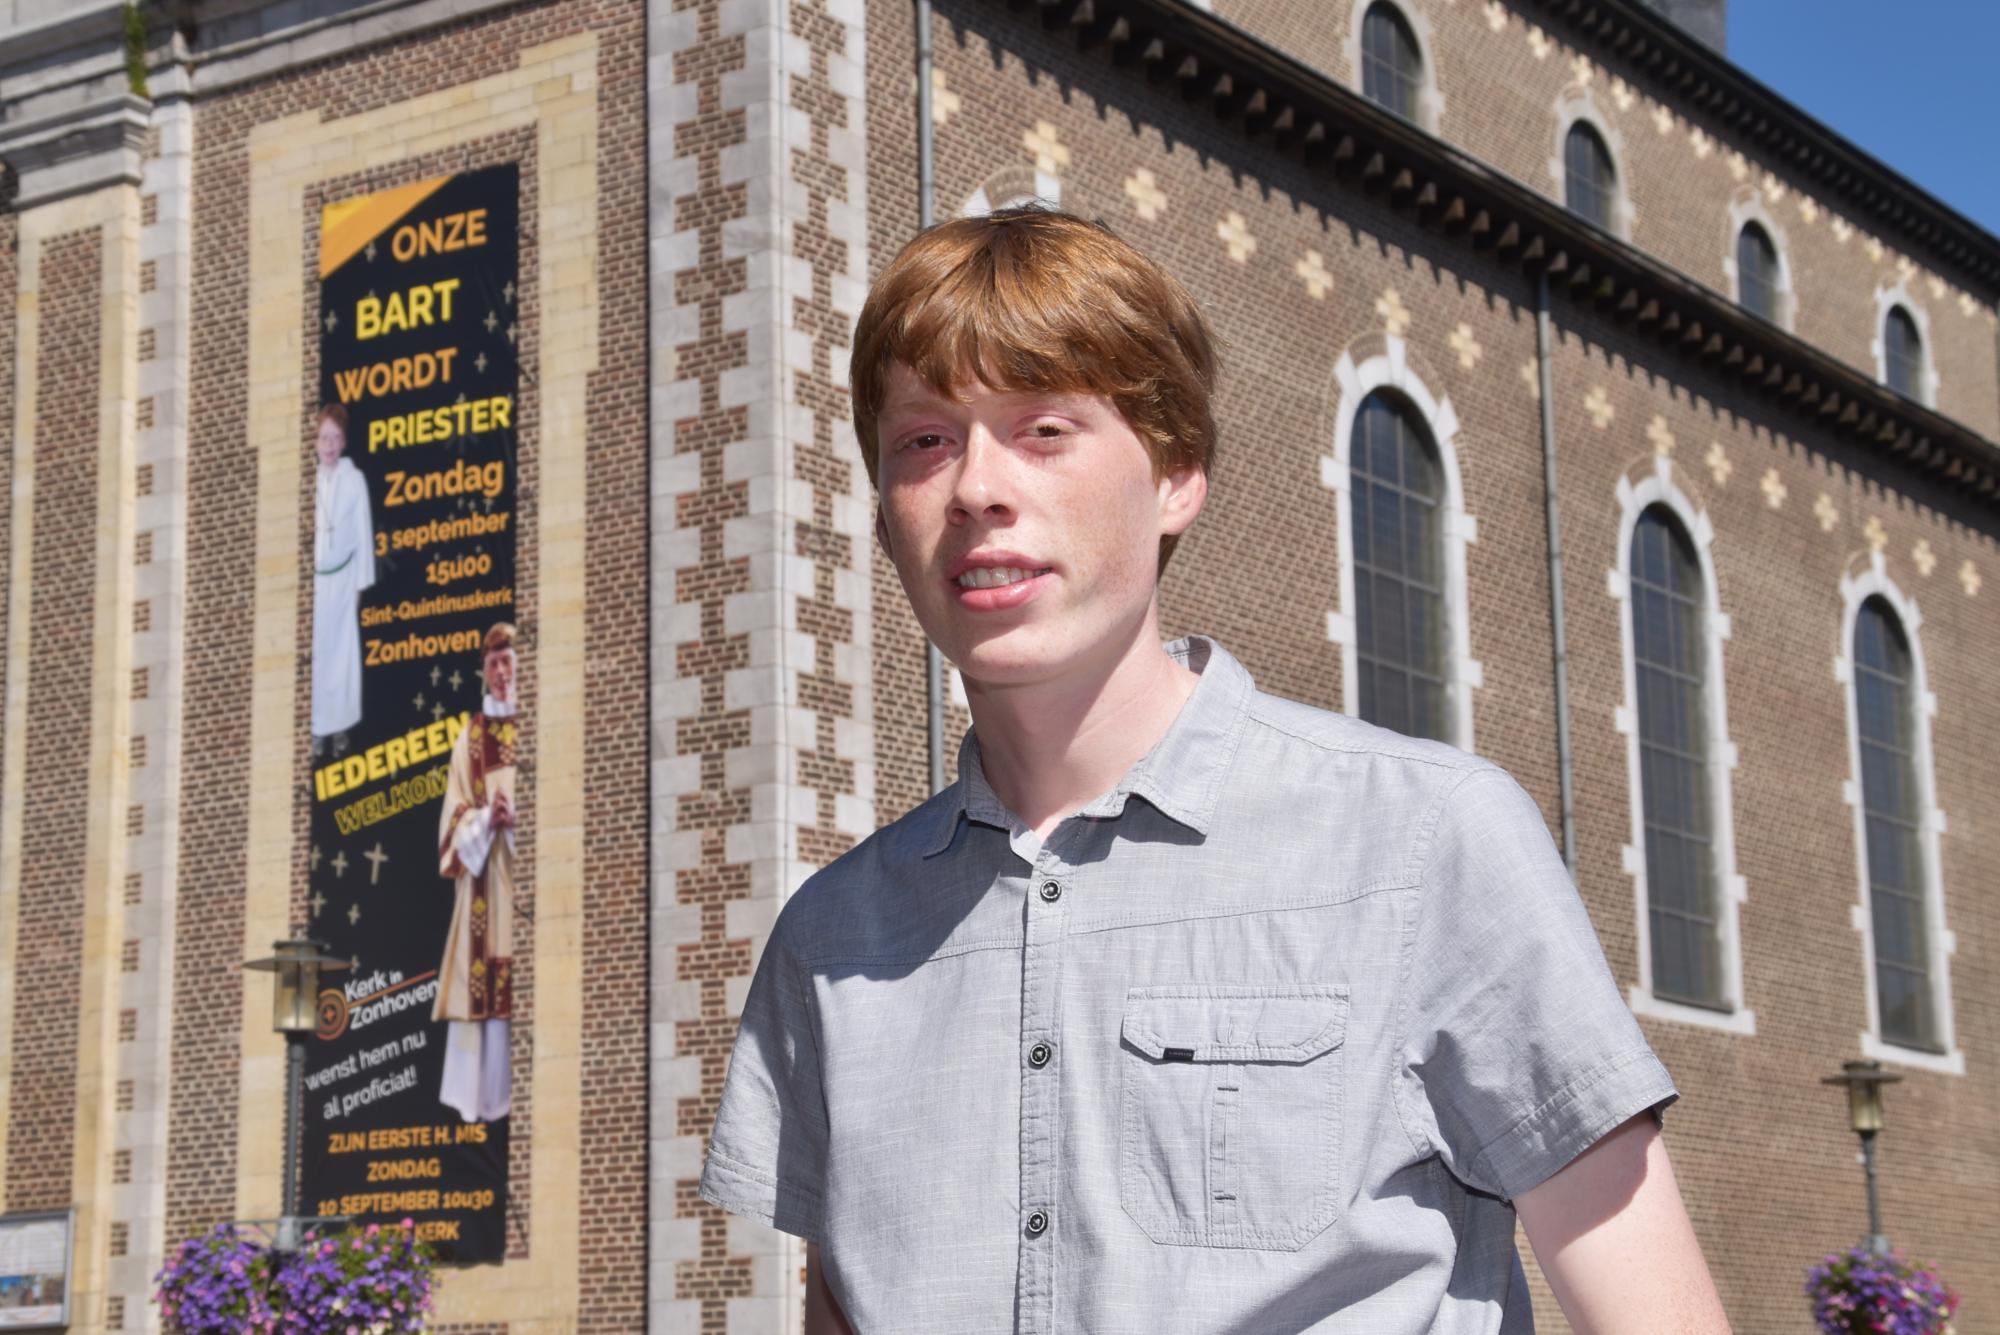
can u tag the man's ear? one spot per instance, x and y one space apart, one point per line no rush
1182 494
882 533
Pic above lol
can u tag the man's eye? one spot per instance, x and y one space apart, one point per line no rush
924 442
1047 430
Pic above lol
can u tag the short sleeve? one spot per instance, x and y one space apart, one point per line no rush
767 1152
1516 1051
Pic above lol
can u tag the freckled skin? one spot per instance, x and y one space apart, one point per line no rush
1060 479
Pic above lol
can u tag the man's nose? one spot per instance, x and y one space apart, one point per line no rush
982 483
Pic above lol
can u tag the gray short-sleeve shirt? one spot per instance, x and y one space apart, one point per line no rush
1263 1039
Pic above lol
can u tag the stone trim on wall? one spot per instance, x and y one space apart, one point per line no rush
1872 580
763 748
1635 495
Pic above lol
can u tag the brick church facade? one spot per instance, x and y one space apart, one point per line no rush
1667 352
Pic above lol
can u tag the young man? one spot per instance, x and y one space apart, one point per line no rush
1186 1008
343 566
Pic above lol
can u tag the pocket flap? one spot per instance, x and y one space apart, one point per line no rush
1236 1024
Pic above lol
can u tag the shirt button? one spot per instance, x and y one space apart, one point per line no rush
1038 1224
1051 891
1038 1055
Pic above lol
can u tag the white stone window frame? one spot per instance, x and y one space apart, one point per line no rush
1574 104
1856 588
1887 298
1354 381
1746 206
1635 497
1430 100
1010 187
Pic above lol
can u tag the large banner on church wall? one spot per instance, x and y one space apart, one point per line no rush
415 736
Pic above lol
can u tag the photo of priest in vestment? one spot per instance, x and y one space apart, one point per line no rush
476 849
343 565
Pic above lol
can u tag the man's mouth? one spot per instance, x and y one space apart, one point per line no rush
995 577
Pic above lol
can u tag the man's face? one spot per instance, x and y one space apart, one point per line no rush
983 487
500 675
331 442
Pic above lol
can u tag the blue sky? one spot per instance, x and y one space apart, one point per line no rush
1913 83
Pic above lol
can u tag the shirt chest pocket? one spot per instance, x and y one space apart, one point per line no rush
1230 1113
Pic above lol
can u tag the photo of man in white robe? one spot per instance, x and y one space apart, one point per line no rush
343 565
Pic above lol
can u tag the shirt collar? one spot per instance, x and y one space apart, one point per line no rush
1180 777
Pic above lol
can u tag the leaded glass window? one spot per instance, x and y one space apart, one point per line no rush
1669 663
1757 272
1589 180
1903 353
1392 68
1396 489
1885 718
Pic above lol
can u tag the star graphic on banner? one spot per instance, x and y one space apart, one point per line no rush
354 964
376 857
312 858
480 673
460 398
437 711
487 501
353 914
331 321
512 329
419 701
318 902
491 322
370 252
480 362
436 672
508 292
340 864
456 679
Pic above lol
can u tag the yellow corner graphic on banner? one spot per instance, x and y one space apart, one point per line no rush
345 227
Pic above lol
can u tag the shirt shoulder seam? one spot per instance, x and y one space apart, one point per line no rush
1421 848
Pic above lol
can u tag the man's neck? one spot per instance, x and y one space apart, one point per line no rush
1048 748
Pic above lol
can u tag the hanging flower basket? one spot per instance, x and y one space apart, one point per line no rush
1861 1292
361 1281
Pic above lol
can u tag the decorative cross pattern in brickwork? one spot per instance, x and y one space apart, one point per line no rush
1496 15
1660 436
1466 346
1148 200
1622 94
1531 376
1739 166
944 102
1774 490
1843 230
1968 579
1873 245
1663 120
1718 463
1923 558
1395 316
1826 512
1699 141
1313 272
1234 233
1050 154
1877 536
1539 43
1808 209
1581 70
1598 404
